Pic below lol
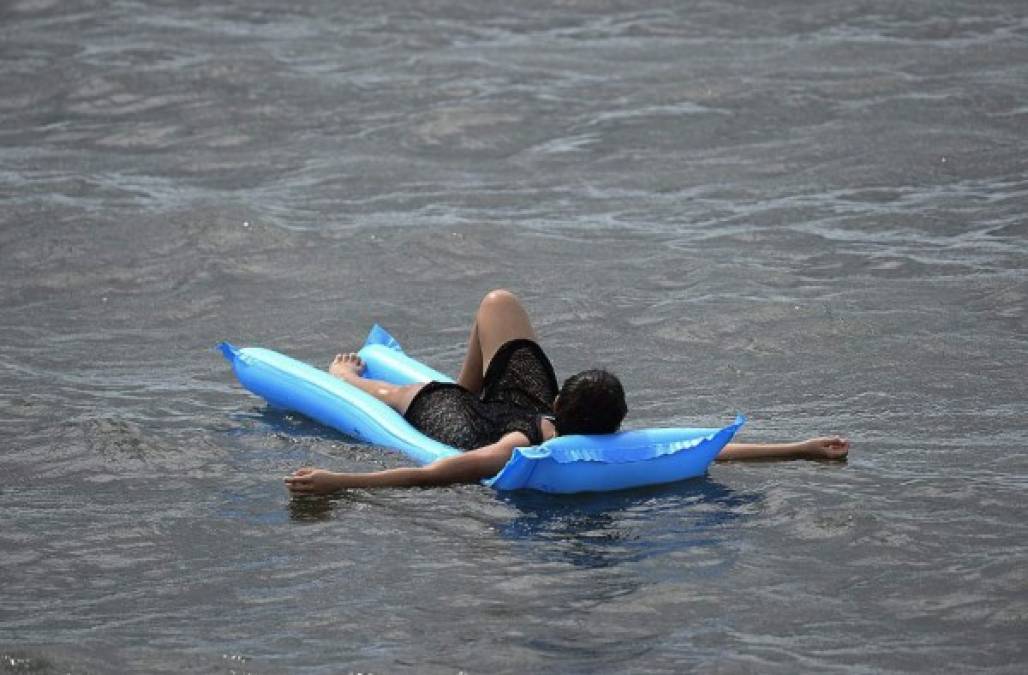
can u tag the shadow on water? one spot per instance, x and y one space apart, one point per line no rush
286 423
610 528
316 509
603 529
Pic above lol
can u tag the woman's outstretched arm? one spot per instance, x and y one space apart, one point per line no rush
824 447
468 467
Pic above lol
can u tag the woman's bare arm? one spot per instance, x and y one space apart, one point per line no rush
467 467
824 447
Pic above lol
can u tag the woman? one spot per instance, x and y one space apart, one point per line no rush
506 397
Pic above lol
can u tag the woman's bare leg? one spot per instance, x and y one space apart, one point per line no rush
500 318
471 370
348 367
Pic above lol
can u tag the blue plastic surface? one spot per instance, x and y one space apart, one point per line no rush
385 360
293 385
614 462
562 465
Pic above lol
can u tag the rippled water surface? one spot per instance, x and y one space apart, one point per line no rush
811 212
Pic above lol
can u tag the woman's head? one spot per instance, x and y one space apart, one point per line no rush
591 402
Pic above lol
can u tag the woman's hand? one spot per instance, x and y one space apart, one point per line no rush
825 447
308 481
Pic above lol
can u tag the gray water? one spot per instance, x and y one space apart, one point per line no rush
810 212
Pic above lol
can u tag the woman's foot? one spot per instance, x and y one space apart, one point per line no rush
826 447
346 367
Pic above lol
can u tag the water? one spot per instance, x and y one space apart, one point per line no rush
813 213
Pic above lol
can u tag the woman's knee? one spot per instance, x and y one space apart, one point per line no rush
501 318
499 299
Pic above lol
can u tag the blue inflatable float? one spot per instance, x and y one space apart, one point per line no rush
562 465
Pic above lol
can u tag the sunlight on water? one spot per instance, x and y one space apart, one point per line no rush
811 213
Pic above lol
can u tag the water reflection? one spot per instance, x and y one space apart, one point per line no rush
611 528
311 509
292 425
318 508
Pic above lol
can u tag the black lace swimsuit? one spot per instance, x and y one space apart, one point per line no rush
517 391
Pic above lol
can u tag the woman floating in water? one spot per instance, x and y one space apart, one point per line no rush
507 397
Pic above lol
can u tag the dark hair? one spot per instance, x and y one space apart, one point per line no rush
591 402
